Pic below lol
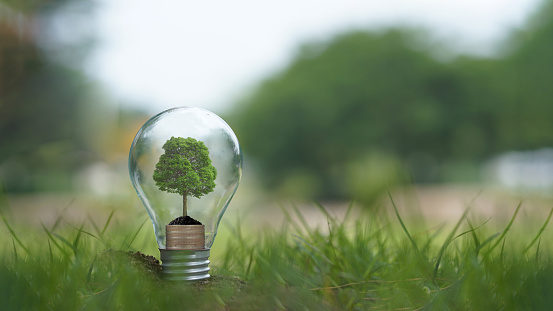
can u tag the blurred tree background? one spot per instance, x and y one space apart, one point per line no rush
345 119
348 115
54 120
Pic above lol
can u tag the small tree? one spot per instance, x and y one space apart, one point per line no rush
185 168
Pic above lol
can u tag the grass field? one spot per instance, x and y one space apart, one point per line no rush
370 260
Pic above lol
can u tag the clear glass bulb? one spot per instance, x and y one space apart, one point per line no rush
225 155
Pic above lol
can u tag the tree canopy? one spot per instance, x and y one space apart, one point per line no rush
185 168
364 93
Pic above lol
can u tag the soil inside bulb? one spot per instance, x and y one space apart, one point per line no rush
185 221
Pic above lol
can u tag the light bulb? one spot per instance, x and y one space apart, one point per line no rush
185 161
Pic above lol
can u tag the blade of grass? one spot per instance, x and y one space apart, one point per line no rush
538 252
539 232
322 208
4 204
429 241
463 233
504 231
50 251
314 249
60 217
249 264
472 230
56 223
80 230
290 221
14 235
448 240
89 273
502 250
135 234
108 222
329 218
474 236
265 263
100 236
77 239
15 257
488 240
348 211
94 225
403 225
300 217
66 242
51 237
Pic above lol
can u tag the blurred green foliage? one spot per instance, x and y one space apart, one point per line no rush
39 105
367 261
346 118
363 93
54 120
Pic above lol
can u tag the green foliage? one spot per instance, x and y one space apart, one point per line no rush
185 168
363 93
358 94
365 261
49 111
374 262
32 6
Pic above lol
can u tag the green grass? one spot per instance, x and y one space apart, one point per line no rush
370 261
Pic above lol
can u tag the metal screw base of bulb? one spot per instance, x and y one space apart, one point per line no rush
185 265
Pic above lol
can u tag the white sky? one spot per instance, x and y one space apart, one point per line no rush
161 54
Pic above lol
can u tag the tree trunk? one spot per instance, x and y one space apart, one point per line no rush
184 205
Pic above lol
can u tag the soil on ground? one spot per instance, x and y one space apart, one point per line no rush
152 267
146 263
185 221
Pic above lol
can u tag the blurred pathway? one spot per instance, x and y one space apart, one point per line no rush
428 205
431 205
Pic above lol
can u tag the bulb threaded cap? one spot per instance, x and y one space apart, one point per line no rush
185 265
